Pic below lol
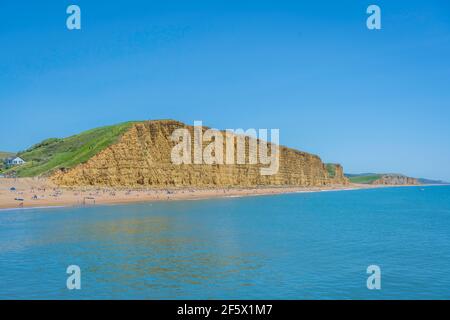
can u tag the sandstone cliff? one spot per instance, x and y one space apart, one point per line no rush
395 179
142 158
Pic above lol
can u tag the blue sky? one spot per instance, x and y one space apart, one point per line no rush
374 101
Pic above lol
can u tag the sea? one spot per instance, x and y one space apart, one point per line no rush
318 245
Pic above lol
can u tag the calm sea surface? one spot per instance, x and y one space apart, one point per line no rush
295 246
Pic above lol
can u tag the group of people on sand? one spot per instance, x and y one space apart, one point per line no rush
37 193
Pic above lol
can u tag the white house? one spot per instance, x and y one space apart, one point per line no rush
14 161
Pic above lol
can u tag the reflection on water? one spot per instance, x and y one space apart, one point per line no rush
125 250
285 246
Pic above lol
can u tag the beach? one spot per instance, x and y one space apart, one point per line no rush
40 192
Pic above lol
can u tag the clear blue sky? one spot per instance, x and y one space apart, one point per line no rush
375 101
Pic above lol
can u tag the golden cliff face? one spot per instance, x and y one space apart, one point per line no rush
142 158
338 177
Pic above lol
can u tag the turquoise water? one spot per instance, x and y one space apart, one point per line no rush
293 246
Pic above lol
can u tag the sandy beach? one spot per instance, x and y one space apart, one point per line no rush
39 192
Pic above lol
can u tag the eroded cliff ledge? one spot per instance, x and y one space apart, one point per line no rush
142 158
396 179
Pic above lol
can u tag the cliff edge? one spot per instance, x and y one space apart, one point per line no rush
396 179
141 157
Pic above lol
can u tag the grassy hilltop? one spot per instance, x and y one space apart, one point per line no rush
383 179
56 153
365 178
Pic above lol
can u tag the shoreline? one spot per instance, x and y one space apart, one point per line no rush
35 193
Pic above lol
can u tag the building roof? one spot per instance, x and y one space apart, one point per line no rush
14 158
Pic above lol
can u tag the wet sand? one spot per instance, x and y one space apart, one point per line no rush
39 192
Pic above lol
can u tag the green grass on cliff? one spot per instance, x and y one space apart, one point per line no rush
55 153
363 178
331 168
